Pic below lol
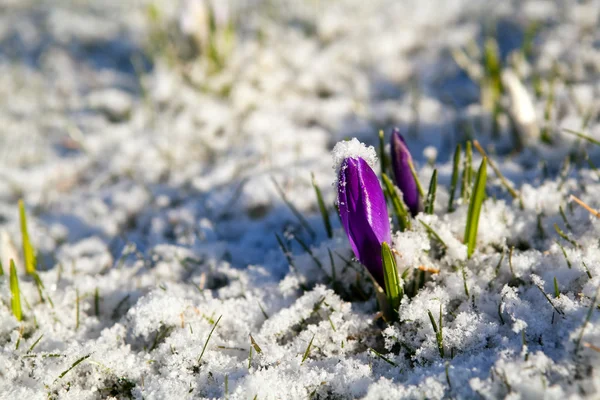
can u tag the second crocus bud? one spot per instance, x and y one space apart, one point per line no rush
364 215
401 160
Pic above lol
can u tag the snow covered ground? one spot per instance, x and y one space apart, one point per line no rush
148 172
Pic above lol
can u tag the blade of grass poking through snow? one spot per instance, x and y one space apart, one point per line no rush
208 339
294 210
413 171
28 251
556 291
587 270
399 208
438 332
475 208
565 237
15 301
433 234
467 171
454 180
322 208
307 352
393 288
35 344
545 134
387 360
464 276
564 254
1 269
549 301
76 363
503 180
587 320
255 345
564 217
310 253
430 199
582 136
286 252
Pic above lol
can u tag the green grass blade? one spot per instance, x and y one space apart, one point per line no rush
564 217
475 208
582 136
28 251
430 200
402 215
322 208
387 360
208 339
565 236
15 301
307 352
393 288
438 333
255 345
433 234
294 210
1 269
307 249
467 173
454 180
76 363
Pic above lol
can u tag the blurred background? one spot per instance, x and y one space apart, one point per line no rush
113 110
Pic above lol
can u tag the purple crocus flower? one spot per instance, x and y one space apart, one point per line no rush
364 215
405 181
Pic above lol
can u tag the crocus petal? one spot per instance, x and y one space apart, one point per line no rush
363 212
404 179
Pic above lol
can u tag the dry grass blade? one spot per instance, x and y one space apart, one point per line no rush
582 204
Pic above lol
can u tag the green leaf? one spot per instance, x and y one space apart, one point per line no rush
430 200
454 180
402 215
322 208
393 288
15 301
28 251
475 208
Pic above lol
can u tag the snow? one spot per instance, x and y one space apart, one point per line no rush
352 149
147 175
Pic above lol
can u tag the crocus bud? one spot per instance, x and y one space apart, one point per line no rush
405 181
363 212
